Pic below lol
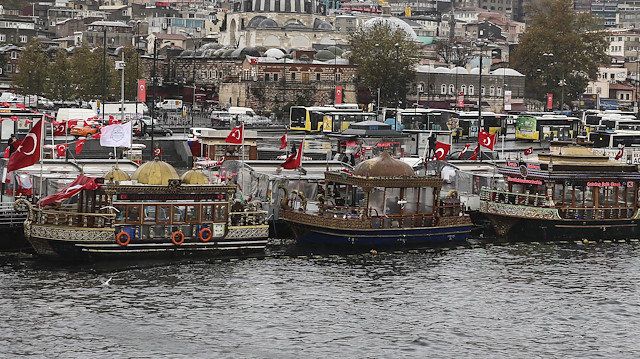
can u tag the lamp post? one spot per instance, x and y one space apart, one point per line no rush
397 46
155 87
335 67
637 104
137 38
549 58
193 73
104 67
480 45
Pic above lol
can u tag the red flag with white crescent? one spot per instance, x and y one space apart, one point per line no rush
620 153
441 150
474 155
486 140
235 136
142 90
79 145
528 151
28 152
61 150
59 128
283 140
464 150
294 160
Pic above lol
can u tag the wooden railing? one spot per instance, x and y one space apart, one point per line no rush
9 217
596 213
73 219
248 218
522 199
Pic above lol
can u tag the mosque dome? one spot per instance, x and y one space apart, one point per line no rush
394 22
383 166
116 174
324 55
321 25
275 53
155 172
194 176
335 50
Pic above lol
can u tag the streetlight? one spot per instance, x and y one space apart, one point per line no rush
335 66
637 104
193 73
480 45
548 60
155 89
137 39
104 66
397 45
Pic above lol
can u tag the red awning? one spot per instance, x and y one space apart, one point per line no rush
80 183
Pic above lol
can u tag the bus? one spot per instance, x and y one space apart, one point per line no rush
428 119
338 121
547 127
310 119
610 121
494 123
614 139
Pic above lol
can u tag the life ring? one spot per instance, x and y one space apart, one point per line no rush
173 238
119 238
202 232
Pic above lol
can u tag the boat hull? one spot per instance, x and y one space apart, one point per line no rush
74 244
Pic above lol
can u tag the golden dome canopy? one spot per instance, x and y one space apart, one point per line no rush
194 176
117 174
155 173
383 166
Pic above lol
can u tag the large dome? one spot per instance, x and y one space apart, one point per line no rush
383 166
155 172
394 22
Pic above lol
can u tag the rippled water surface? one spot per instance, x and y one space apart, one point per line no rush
525 301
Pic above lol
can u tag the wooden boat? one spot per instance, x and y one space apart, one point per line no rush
155 214
569 194
382 203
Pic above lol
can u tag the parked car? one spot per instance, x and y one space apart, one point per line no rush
82 131
143 128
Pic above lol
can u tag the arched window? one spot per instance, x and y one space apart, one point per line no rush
471 90
451 89
443 89
492 91
421 87
499 93
482 91
463 88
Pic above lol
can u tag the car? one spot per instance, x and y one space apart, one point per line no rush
143 128
83 131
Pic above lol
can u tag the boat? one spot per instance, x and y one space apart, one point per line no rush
568 194
380 204
152 213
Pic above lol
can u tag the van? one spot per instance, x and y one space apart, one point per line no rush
66 114
241 111
170 104
115 109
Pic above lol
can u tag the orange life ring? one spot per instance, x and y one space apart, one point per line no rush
119 238
203 231
173 238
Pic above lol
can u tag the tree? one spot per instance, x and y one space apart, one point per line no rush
87 73
60 85
32 68
453 53
375 49
131 58
560 44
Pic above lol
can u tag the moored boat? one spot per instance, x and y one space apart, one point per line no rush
154 213
568 194
382 203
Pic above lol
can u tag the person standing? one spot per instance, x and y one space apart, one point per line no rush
432 145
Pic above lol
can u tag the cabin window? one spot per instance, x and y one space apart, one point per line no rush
207 213
192 214
559 193
391 201
133 214
120 212
149 213
631 196
426 200
221 212
164 213
179 213
411 196
376 202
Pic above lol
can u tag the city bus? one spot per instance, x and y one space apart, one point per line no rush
310 119
534 127
338 121
494 123
428 119
614 139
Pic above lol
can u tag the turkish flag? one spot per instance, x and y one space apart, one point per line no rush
61 150
28 152
441 150
528 151
80 183
294 160
283 140
21 106
486 140
359 152
620 153
142 90
464 150
59 129
474 155
338 95
253 60
7 151
79 145
95 135
220 161
235 136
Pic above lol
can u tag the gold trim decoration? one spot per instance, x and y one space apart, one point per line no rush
513 210
73 234
389 182
325 222
247 232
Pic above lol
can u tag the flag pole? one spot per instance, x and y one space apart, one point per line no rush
242 168
42 132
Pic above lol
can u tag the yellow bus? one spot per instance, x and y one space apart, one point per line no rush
311 119
546 127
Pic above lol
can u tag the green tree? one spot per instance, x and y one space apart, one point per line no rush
60 85
374 50
131 58
88 71
560 44
32 67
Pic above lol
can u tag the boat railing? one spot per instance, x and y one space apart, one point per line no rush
593 213
9 217
521 199
249 218
73 219
378 221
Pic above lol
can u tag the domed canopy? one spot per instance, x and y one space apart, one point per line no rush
383 166
194 176
155 172
116 174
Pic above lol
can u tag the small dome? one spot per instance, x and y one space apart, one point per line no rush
324 55
155 172
194 176
459 71
295 24
383 166
251 51
334 50
116 174
275 53
321 25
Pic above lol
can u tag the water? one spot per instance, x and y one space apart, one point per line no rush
520 301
